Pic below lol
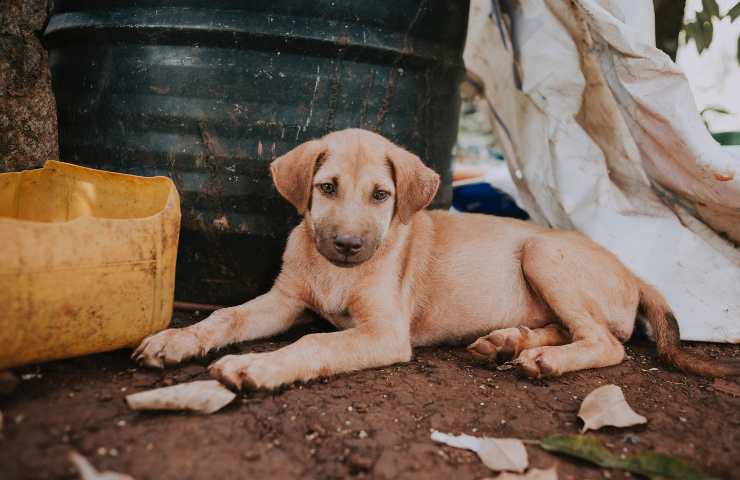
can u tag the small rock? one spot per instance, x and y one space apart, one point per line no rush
251 456
19 418
631 438
362 434
360 462
168 381
121 423
105 397
102 451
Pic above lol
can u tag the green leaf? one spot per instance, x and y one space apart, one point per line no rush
734 12
700 33
711 8
738 50
651 465
715 109
583 447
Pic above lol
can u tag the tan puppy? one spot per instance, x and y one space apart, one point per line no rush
392 276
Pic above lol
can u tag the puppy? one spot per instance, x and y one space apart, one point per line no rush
390 276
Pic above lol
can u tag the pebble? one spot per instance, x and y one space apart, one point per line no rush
251 456
360 462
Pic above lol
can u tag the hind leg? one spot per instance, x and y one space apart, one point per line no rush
506 343
590 292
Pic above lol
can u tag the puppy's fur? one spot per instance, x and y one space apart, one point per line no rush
391 276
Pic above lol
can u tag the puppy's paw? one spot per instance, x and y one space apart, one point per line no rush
538 362
168 348
252 371
499 345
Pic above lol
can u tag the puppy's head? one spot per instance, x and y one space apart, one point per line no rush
352 185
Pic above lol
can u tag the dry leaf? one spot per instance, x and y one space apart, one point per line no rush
532 474
88 472
606 406
458 441
1 422
503 454
204 396
725 386
496 453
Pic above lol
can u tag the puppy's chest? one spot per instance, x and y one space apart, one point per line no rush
330 300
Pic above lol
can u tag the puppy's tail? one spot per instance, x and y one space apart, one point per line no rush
655 308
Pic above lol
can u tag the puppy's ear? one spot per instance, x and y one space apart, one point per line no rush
292 173
416 184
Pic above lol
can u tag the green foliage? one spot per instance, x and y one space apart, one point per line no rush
701 29
651 465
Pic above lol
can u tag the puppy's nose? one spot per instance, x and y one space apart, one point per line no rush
347 244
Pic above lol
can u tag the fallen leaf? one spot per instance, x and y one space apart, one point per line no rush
1 422
500 454
467 442
606 406
532 474
651 465
88 472
203 396
503 454
725 386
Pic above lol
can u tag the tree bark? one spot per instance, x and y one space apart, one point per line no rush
668 24
28 120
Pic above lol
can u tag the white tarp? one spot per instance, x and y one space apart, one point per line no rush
601 134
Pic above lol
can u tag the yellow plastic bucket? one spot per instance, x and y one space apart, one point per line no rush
87 261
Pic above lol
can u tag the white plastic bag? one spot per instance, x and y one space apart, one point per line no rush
601 134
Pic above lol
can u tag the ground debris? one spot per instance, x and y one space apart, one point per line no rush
88 472
499 454
533 474
203 396
725 386
649 464
606 406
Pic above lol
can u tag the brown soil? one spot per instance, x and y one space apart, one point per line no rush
370 424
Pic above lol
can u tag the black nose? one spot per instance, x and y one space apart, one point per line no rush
347 244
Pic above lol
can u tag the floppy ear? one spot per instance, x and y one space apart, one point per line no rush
416 184
292 173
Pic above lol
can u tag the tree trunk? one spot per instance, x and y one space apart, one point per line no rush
28 120
668 24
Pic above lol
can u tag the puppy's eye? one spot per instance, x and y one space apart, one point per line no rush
380 195
327 188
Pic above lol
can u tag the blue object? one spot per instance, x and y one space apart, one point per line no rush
485 198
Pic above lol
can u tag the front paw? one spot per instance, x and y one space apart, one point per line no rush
252 370
168 348
538 362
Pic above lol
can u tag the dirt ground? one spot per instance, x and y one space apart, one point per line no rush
369 424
